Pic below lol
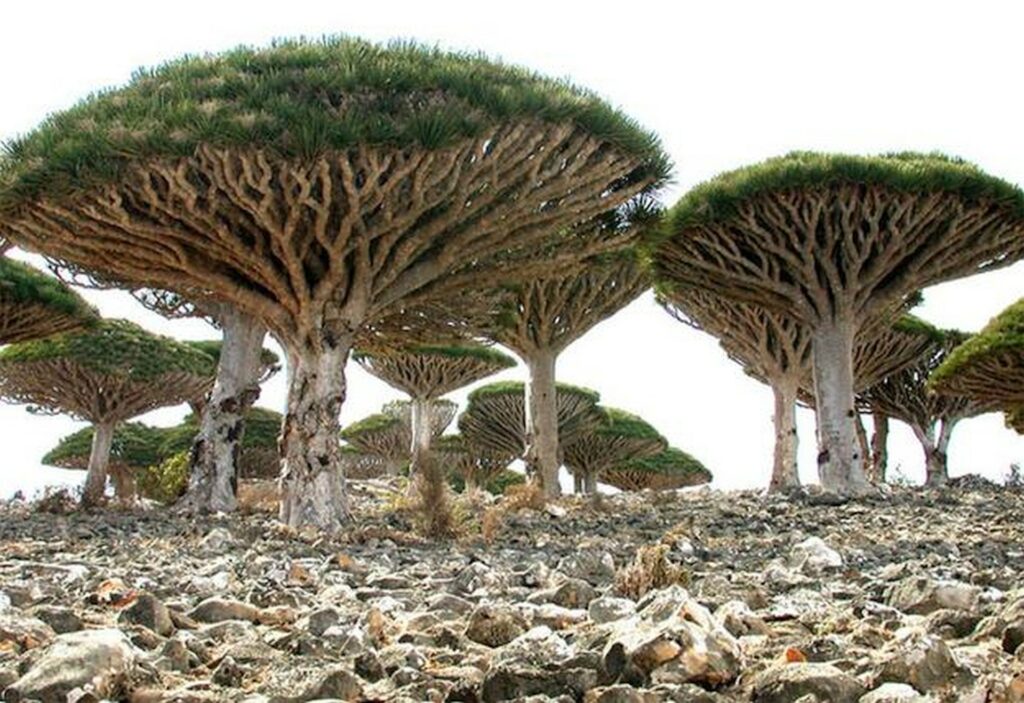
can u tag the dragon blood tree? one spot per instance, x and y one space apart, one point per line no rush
837 242
666 470
989 367
133 447
546 316
476 466
388 434
621 437
904 395
269 365
33 305
427 372
776 349
495 417
258 455
317 185
106 376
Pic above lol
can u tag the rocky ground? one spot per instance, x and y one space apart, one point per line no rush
734 597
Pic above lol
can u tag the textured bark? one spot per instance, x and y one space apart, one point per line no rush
879 448
590 482
935 450
99 458
421 434
862 442
23 322
542 422
785 475
312 484
214 472
840 463
577 482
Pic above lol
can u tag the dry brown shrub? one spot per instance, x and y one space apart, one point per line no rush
650 570
258 496
432 500
525 496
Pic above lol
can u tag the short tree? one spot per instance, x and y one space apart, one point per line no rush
317 186
988 367
34 305
621 437
544 317
427 372
776 349
495 417
388 434
360 465
133 447
837 242
667 470
474 465
106 376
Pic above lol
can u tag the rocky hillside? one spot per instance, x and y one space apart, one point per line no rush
701 597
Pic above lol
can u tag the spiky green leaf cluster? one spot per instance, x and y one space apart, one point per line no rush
134 445
671 462
519 388
1004 334
22 284
116 347
299 98
212 347
719 198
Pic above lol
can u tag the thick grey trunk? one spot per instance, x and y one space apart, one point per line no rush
99 458
936 450
312 481
840 463
420 421
213 478
879 447
784 468
577 481
542 422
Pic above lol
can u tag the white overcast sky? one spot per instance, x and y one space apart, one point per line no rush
723 83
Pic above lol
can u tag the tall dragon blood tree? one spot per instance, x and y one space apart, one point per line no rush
776 349
837 242
495 417
667 470
318 185
543 318
619 438
106 376
988 367
427 372
904 395
34 305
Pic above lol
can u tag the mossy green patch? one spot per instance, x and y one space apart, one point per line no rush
24 285
1003 335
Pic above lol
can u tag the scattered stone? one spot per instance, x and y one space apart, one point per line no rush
495 625
814 556
785 683
215 609
917 658
894 693
610 608
920 595
148 611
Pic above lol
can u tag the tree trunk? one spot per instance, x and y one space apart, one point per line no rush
590 483
936 454
577 481
420 421
124 483
312 480
879 447
840 463
213 476
862 441
542 422
99 458
784 469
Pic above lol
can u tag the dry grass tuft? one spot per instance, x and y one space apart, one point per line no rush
650 570
432 500
525 496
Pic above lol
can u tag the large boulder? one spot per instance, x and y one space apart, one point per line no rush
921 595
785 683
99 660
919 659
672 639
149 612
495 625
222 609
813 556
22 632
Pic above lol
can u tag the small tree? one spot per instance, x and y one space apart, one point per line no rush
619 438
776 349
495 418
543 318
106 376
360 465
317 186
388 434
426 373
988 367
837 242
667 470
33 305
904 396
133 447
475 466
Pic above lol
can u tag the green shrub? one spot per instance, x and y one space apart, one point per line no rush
165 482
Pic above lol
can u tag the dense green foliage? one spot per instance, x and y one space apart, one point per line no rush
497 485
671 462
213 347
167 481
300 98
467 349
519 388
1004 334
116 347
718 198
377 422
619 423
22 284
135 445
